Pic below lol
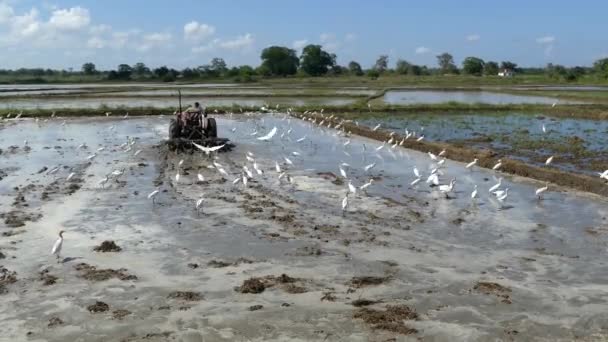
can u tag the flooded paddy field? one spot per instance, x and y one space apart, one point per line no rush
408 97
579 145
278 258
164 102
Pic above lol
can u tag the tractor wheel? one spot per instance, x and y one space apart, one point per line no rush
173 129
211 128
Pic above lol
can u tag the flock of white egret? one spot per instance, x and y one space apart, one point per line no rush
251 168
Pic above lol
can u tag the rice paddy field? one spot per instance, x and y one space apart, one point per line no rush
318 221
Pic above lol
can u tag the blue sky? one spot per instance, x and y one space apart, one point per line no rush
179 33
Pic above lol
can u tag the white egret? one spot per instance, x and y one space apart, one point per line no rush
446 189
257 169
549 160
301 139
496 186
70 176
92 156
136 153
199 205
376 128
433 179
471 164
277 167
416 172
153 195
420 138
540 191
442 153
177 176
380 147
269 135
544 128
346 143
103 182
367 185
352 188
208 150
342 171
415 181
441 162
236 180
432 156
345 203
295 154
58 245
474 193
497 165
288 161
603 175
502 195
200 177
181 162
247 171
222 171
369 167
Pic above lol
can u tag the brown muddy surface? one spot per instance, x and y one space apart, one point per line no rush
278 259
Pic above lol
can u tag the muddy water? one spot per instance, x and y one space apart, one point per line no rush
135 102
578 144
431 96
438 256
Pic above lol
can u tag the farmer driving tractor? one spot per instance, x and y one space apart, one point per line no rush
192 124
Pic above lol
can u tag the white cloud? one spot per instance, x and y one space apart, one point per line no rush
153 40
6 13
422 50
196 31
96 43
299 44
350 37
327 37
100 29
73 18
25 25
545 40
239 43
473 37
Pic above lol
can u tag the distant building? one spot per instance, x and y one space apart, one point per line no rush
506 73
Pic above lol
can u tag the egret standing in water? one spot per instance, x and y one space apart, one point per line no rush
540 191
474 193
153 194
498 165
446 189
471 164
549 160
58 245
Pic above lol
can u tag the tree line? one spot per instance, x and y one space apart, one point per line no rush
280 61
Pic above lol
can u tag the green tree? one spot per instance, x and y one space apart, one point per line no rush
89 69
316 62
355 68
414 70
140 69
506 65
381 63
472 66
402 67
161 72
490 68
446 64
279 61
601 67
124 72
218 65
